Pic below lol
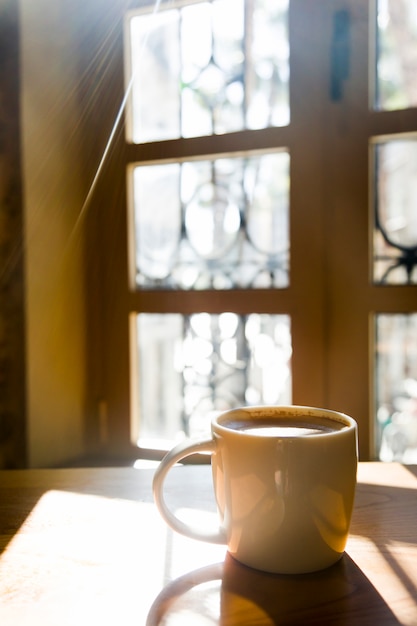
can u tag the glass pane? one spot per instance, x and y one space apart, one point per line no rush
396 66
193 366
219 224
208 68
396 387
395 220
154 52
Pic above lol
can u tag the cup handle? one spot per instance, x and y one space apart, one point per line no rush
181 451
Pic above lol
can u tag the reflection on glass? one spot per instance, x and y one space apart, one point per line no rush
208 68
396 66
193 366
218 224
395 224
396 387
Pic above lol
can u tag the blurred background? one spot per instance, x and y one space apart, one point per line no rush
204 205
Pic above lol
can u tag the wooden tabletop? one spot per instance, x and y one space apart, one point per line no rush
85 547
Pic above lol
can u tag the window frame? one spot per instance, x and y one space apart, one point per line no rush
330 230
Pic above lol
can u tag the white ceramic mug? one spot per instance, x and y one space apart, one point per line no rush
284 478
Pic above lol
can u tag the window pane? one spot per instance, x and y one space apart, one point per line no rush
396 387
208 68
395 221
219 224
193 366
396 67
154 54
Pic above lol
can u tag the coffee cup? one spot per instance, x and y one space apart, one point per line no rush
284 480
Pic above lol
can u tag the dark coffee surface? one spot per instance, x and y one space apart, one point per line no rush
284 426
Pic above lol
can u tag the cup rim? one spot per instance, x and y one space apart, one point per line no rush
285 410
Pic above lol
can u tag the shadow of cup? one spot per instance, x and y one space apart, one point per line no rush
230 593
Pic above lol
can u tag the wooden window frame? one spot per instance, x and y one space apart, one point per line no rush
331 299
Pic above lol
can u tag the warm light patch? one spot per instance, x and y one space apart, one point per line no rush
78 555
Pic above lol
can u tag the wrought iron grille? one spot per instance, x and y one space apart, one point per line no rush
209 68
194 365
214 224
395 215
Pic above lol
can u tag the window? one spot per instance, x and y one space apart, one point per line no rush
392 177
218 222
265 180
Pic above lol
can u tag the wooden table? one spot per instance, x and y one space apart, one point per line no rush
85 547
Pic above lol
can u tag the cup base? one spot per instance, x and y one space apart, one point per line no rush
289 569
